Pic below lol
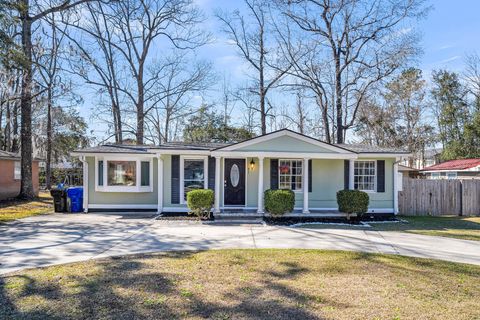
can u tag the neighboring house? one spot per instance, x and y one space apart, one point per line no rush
10 175
408 172
422 160
121 177
454 169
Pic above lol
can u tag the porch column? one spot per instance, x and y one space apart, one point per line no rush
351 173
218 184
160 184
85 184
395 188
305 185
260 186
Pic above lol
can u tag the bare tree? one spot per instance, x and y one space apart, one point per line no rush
349 46
28 13
99 65
257 46
177 79
472 77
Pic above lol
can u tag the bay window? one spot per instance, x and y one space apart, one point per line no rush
290 174
123 174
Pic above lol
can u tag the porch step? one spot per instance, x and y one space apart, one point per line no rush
239 218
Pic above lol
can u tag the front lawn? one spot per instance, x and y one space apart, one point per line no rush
467 228
17 209
246 284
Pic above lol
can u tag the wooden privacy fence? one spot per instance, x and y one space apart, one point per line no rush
422 197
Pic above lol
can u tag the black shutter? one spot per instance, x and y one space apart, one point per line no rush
175 179
380 175
346 174
273 174
310 175
211 173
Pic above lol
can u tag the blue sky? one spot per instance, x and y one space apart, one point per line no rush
450 31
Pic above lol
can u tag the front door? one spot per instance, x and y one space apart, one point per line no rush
234 182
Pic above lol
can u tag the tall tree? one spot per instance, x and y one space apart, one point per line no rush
28 13
348 47
256 44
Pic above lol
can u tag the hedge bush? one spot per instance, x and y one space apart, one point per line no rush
279 202
200 202
352 201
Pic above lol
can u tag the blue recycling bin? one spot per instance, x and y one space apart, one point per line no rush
75 194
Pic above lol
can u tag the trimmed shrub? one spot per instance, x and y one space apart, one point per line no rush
279 202
352 201
200 202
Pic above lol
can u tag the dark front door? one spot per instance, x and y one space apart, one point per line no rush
234 182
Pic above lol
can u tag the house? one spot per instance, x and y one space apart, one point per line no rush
126 177
423 159
454 169
10 174
408 172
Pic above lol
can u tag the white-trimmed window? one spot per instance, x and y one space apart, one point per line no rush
290 174
435 175
364 175
451 175
193 175
17 170
123 174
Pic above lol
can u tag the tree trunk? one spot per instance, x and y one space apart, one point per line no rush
140 108
338 100
48 164
26 184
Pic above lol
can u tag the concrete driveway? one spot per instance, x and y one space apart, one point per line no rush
54 239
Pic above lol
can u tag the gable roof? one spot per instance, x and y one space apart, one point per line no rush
346 149
280 133
452 165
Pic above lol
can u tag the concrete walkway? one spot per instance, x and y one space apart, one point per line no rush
54 239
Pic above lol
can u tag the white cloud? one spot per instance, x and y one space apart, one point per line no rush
450 59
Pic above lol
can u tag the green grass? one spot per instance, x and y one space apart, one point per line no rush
467 228
18 209
245 284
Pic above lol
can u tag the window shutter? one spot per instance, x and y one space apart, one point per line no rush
273 174
145 173
211 173
100 173
346 174
380 175
175 181
310 175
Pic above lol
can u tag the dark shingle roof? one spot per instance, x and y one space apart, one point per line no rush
191 146
363 148
112 148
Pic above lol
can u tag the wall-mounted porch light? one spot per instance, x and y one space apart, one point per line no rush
252 165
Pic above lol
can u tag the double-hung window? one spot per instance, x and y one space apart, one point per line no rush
290 174
193 175
17 171
124 174
365 175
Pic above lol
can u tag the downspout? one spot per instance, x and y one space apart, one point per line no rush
85 184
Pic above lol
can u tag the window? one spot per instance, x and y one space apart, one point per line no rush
364 175
124 174
193 175
290 174
17 171
451 175
435 175
121 173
